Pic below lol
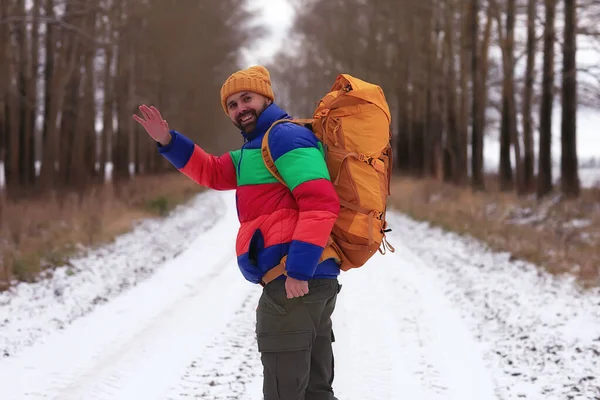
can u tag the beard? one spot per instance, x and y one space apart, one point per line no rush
248 127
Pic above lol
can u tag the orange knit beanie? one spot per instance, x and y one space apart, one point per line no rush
254 79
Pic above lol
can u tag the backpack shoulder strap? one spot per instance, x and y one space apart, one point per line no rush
266 151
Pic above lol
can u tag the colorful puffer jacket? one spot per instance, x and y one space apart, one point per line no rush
275 220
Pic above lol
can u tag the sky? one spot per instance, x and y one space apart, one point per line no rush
277 16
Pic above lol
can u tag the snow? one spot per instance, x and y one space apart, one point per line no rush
29 312
540 334
579 223
163 313
396 330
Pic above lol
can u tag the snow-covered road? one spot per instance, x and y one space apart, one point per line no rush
165 314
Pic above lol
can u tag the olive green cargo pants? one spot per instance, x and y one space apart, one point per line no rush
295 341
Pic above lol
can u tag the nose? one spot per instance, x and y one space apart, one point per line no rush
242 109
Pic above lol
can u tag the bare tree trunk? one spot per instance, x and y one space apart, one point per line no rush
411 104
528 161
506 133
23 105
544 181
105 151
569 179
32 96
403 137
52 170
4 87
432 130
510 81
485 51
120 144
27 92
129 108
76 171
441 107
83 155
48 157
72 108
452 145
13 114
89 101
505 173
477 181
463 125
409 83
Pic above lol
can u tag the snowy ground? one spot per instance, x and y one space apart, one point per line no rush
164 314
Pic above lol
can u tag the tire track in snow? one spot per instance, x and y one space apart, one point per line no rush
397 337
389 345
138 344
29 312
155 350
538 332
229 368
188 332
367 367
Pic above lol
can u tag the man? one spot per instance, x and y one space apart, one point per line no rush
293 327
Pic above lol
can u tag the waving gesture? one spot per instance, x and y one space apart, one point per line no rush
154 124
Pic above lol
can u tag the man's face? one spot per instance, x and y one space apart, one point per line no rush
244 108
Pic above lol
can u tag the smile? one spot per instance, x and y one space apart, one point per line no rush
246 118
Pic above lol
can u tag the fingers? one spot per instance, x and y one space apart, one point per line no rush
150 114
145 110
155 113
294 289
138 119
304 289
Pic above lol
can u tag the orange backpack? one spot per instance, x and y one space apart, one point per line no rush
352 122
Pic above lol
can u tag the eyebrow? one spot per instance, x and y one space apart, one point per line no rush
242 95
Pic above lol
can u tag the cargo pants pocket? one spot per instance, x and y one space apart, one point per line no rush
286 362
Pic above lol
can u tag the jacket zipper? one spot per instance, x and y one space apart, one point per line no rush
240 162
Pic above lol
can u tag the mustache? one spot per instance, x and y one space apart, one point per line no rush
250 112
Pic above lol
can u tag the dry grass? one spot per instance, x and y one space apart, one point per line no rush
37 235
560 235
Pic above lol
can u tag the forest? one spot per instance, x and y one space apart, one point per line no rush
74 71
455 71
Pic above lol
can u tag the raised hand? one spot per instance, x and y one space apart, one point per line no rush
154 124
